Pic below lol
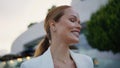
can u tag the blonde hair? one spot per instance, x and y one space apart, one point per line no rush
54 14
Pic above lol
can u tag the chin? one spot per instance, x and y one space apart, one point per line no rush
75 41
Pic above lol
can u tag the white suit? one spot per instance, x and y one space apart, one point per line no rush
45 61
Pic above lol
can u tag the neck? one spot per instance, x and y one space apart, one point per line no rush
60 52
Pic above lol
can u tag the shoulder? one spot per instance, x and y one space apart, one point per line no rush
32 63
37 62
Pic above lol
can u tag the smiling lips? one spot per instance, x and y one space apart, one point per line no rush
76 33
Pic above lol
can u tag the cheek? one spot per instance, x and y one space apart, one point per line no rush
65 30
64 27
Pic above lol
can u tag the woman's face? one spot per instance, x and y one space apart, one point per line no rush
68 27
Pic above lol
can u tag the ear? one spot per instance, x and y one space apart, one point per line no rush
52 24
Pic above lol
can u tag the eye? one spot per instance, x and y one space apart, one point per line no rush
72 19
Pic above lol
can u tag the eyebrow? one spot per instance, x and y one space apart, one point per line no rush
74 16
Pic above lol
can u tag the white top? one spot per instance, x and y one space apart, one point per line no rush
46 61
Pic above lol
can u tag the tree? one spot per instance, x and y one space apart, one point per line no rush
52 8
103 28
31 24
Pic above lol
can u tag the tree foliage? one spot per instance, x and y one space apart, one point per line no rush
103 29
52 8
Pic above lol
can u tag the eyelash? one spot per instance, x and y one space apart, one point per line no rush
72 20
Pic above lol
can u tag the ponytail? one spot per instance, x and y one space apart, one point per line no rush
42 47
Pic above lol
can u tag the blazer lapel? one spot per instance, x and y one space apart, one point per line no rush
47 59
78 60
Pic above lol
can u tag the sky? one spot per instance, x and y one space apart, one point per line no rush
16 15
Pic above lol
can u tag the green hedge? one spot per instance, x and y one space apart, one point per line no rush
103 29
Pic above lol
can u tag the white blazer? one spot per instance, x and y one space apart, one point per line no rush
46 61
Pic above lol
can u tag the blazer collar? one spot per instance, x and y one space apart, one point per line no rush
78 60
48 61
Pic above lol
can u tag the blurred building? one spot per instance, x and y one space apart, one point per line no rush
34 33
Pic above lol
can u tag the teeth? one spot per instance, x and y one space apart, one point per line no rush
76 33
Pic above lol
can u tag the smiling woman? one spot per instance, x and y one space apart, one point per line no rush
62 26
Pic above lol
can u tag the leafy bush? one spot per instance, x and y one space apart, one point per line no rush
103 29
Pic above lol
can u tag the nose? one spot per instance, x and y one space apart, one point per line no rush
78 26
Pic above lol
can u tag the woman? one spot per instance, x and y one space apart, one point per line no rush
62 26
